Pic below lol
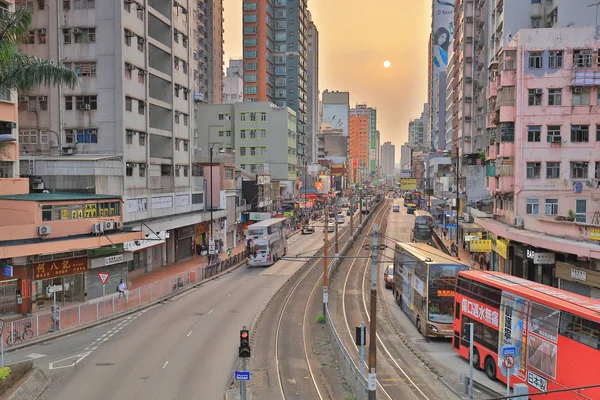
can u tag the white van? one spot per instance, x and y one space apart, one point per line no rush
396 208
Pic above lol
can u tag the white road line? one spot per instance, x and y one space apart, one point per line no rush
189 334
229 295
105 339
111 335
94 348
165 366
210 312
105 334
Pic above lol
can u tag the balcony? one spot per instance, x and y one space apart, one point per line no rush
492 152
491 120
490 170
504 170
491 90
507 113
506 184
507 78
506 150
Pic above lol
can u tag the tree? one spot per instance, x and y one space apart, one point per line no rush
22 72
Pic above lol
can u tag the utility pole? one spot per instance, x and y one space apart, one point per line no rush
360 206
372 379
337 250
325 261
351 214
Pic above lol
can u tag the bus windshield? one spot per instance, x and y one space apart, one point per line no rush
442 284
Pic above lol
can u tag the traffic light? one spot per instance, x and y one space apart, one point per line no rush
244 350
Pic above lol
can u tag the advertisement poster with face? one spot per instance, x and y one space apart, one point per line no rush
513 329
443 32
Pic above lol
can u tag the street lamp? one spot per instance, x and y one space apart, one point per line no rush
221 150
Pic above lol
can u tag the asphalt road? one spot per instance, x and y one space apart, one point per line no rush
183 348
437 351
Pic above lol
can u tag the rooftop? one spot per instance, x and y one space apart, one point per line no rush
58 197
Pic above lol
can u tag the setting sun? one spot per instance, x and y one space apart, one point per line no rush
387 64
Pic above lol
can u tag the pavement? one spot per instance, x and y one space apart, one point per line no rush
463 254
184 347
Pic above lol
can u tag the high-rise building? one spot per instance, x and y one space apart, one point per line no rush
312 125
388 156
127 129
276 58
9 144
416 131
378 154
233 88
214 42
371 113
359 139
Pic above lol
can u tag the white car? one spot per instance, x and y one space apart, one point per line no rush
330 227
340 219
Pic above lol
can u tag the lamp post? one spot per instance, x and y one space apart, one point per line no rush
211 188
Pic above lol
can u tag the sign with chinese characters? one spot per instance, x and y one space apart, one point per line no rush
594 234
480 246
52 269
480 312
116 259
537 381
579 274
502 248
543 258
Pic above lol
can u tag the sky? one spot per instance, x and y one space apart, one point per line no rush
355 38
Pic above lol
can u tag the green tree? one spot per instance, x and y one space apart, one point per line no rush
20 71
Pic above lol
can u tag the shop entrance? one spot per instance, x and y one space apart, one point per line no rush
8 298
72 291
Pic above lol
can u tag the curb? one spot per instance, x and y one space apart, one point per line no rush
113 317
35 384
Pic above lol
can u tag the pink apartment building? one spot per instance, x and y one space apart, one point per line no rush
543 168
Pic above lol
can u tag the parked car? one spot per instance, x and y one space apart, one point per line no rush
388 276
308 229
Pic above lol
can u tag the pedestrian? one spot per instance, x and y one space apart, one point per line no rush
121 288
228 253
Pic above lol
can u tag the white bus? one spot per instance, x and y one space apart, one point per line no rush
270 241
365 207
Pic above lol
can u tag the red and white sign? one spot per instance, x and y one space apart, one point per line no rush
509 361
103 277
480 312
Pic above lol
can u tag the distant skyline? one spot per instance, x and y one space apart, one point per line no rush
352 55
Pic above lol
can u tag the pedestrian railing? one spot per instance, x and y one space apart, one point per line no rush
42 325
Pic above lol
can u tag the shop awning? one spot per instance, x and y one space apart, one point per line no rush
470 227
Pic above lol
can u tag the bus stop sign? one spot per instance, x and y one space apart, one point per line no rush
509 351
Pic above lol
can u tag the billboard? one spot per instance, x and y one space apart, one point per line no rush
337 115
408 184
443 33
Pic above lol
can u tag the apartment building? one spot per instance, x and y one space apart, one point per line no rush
9 144
253 131
127 130
276 59
312 124
363 110
359 139
416 131
233 87
210 22
388 155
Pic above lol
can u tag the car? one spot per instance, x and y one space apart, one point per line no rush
340 219
396 208
308 229
410 209
388 276
330 227
348 213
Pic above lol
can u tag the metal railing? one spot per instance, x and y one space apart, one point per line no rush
42 325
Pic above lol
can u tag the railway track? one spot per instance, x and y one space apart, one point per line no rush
400 374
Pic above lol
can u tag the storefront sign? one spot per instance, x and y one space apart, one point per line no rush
151 240
320 186
520 252
136 205
595 234
263 179
579 274
182 200
116 259
7 271
468 238
408 183
259 216
162 202
480 246
543 258
52 269
502 248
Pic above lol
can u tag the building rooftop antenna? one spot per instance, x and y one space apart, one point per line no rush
595 5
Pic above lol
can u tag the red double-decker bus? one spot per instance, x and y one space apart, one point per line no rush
555 334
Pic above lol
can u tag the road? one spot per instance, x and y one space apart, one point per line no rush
175 350
438 352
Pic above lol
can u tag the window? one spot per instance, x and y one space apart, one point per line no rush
165 169
141 75
250 18
41 33
534 133
81 135
554 97
129 137
581 210
250 77
186 119
128 36
140 12
579 170
251 90
82 4
252 116
250 53
128 71
86 102
597 170
250 30
580 133
177 144
579 329
84 35
533 170
535 59
581 96
249 42
250 66
186 145
142 136
582 58
551 206
129 169
83 68
553 133
249 6
141 107
552 170
176 117
533 206
555 60
534 97
66 36
142 170
28 136
507 131
140 43
128 104
263 117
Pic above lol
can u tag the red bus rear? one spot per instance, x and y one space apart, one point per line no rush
556 333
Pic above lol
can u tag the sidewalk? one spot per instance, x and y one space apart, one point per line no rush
463 254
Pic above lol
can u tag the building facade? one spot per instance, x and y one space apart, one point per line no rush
213 19
313 121
233 87
388 156
359 135
362 110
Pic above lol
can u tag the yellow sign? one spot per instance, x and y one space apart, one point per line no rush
64 213
595 234
502 248
408 183
480 246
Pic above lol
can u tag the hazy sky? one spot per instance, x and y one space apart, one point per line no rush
355 38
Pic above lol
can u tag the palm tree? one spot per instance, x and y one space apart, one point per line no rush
19 71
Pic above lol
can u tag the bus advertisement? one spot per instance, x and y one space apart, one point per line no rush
424 285
270 241
553 335
423 228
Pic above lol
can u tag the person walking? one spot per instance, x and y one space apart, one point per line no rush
228 253
121 288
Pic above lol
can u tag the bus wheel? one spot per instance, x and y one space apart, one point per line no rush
476 359
490 368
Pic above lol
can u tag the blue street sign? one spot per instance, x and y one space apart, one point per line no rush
242 375
509 351
7 270
450 226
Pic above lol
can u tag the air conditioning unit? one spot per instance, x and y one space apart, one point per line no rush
67 151
196 56
519 222
10 125
141 72
118 225
85 107
467 119
469 39
140 7
467 138
97 229
37 185
109 225
469 19
469 59
43 98
556 139
141 40
76 31
578 89
23 98
539 91
44 230
468 79
468 99
130 67
130 34
42 31
129 1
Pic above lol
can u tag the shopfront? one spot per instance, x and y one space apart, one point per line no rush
500 258
202 236
534 264
576 279
115 265
64 277
185 242
520 261
148 254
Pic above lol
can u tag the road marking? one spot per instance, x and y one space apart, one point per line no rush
229 295
105 334
210 312
189 334
94 348
34 356
165 366
183 294
72 361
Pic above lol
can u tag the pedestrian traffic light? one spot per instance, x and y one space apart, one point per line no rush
244 350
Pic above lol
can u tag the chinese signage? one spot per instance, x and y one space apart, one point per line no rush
116 259
502 248
543 258
537 381
263 179
579 274
480 312
480 246
408 183
595 234
513 329
52 269
259 216
446 293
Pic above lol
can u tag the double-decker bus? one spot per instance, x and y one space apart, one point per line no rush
424 285
270 241
365 206
408 199
423 228
554 334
